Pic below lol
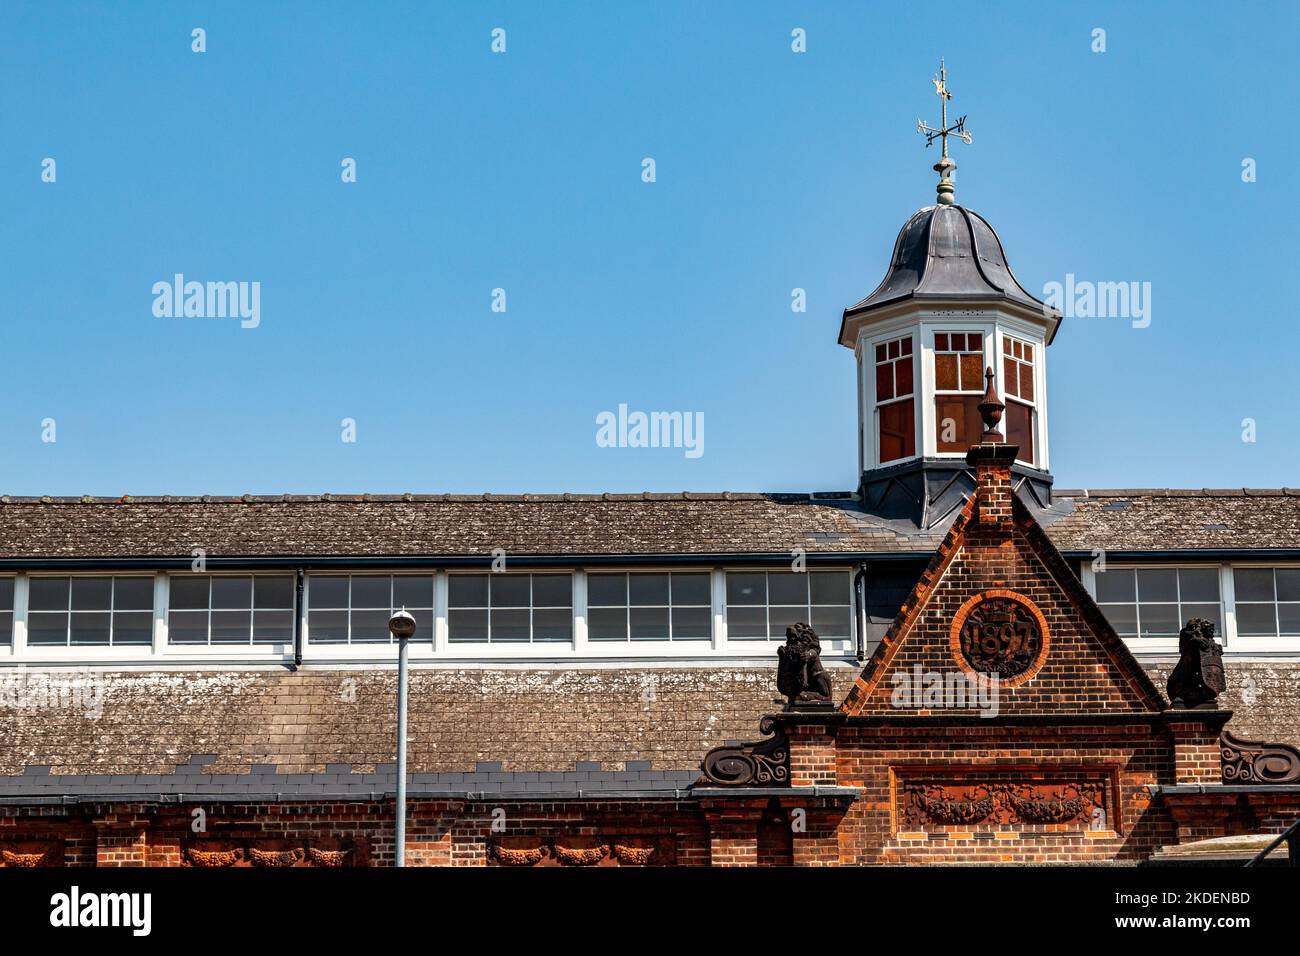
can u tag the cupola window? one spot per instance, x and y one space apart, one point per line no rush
958 390
895 401
1018 383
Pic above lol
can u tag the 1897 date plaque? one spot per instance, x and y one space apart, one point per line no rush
1000 634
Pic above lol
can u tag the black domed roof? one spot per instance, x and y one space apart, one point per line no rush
948 252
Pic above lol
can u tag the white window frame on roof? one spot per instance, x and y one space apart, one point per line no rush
431 647
1254 644
426 645
8 640
831 647
20 650
162 605
1233 643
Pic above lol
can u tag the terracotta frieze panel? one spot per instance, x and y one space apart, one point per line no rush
275 853
1072 801
31 854
582 851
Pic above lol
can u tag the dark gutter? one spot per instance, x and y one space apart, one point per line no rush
1186 554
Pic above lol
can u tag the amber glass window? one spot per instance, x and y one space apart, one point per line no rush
1018 382
895 403
958 388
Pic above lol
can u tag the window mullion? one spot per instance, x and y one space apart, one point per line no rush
1228 593
718 589
20 615
580 610
161 598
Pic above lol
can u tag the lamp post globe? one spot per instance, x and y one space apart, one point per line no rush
402 624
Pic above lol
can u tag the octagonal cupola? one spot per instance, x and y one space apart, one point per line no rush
948 308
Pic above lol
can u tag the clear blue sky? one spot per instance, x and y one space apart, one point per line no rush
523 171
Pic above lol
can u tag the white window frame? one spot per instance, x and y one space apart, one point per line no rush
1005 393
1256 644
9 643
59 653
426 645
867 389
831 647
1233 643
368 650
630 642
954 325
426 648
532 642
162 606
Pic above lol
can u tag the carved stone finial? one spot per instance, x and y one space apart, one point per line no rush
1197 681
991 408
800 675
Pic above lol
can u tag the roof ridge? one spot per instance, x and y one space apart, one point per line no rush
1175 492
409 497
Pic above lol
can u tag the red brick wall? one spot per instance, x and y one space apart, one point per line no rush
1129 757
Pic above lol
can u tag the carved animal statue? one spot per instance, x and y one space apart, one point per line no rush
799 673
1198 679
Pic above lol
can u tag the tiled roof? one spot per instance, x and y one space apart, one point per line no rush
686 523
414 525
1173 519
643 725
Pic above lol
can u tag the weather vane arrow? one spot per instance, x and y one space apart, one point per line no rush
945 166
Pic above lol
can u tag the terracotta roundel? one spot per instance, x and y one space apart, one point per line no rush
1002 633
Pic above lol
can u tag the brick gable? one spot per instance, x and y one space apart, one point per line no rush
995 547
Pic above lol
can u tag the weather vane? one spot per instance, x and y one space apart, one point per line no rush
945 166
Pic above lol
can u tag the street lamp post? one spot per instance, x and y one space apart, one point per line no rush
401 625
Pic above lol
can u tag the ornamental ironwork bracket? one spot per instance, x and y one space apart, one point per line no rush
1250 761
758 763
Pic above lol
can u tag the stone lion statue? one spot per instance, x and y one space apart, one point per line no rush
1198 679
799 673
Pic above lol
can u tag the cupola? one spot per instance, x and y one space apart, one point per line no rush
948 308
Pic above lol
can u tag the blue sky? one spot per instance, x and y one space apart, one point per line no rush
522 171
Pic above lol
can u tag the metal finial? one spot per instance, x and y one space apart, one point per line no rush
945 166
991 408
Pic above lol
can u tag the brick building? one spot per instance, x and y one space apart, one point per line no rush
210 681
